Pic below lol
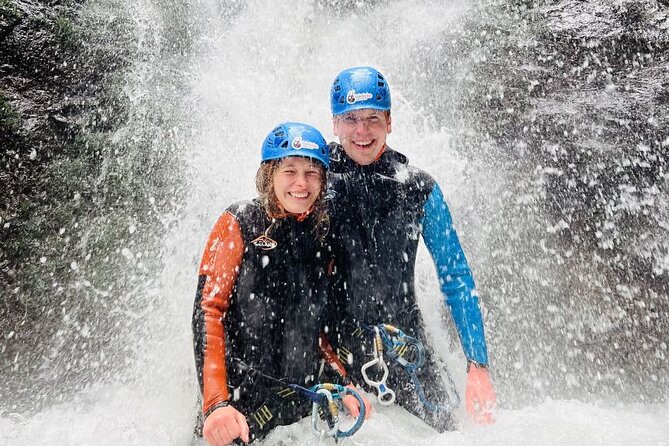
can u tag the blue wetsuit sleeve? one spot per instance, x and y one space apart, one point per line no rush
455 277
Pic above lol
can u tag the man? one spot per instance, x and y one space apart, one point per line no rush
381 206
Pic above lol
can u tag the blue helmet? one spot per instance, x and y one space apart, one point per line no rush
357 88
295 139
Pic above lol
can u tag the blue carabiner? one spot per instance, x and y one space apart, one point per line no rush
361 415
397 341
311 395
333 394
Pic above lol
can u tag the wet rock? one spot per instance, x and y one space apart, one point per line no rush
568 100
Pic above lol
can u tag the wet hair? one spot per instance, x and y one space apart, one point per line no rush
272 206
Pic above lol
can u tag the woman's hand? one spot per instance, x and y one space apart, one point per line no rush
353 407
224 425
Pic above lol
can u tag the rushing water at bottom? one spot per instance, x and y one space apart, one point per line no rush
126 415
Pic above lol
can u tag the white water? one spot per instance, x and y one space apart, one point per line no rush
274 62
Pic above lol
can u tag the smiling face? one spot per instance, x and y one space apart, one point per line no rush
362 133
297 183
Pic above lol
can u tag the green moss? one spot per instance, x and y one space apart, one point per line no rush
8 10
64 29
10 119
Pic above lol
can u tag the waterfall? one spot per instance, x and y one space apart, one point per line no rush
578 354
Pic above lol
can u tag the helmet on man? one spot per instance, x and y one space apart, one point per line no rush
295 139
358 88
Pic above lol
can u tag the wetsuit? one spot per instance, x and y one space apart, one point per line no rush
379 211
259 309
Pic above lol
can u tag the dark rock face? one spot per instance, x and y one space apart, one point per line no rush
42 97
70 202
568 100
36 124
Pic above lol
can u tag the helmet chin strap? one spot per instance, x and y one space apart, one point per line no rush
383 149
299 217
305 214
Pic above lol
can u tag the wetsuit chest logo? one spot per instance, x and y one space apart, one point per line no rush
265 243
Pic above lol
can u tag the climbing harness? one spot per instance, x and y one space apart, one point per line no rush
327 402
397 344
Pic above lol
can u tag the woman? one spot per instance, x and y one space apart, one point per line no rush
262 293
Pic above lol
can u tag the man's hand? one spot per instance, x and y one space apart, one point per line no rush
351 403
480 397
224 425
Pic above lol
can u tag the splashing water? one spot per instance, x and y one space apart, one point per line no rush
247 68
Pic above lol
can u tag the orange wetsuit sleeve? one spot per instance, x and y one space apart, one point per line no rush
218 273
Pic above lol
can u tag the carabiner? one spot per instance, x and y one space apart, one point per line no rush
315 417
384 394
397 342
342 391
334 393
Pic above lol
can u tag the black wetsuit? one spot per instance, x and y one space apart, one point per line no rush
378 213
272 316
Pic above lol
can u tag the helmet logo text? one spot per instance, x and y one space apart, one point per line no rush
352 97
299 143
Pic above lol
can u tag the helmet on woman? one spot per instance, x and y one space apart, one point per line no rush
295 139
357 88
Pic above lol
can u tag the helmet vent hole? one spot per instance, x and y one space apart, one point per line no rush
284 144
378 97
381 84
337 88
